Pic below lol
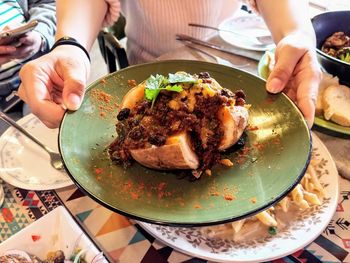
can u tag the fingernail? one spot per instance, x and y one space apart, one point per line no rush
274 85
73 101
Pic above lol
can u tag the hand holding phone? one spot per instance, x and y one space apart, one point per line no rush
11 36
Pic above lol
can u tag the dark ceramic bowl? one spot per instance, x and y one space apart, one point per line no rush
325 25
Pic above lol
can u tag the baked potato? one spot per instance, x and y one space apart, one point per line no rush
191 120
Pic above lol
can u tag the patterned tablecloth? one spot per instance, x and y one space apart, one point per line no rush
124 241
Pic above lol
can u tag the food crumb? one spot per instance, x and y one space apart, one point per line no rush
35 237
134 195
208 172
253 200
197 206
226 162
215 193
132 83
98 170
252 128
229 197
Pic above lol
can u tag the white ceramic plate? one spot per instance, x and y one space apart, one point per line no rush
55 231
24 164
303 230
249 25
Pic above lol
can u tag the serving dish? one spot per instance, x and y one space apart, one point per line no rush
325 25
24 164
303 229
275 156
245 26
56 230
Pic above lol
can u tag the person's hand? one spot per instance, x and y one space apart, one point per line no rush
55 82
27 46
297 73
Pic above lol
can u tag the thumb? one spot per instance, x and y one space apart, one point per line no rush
286 60
73 72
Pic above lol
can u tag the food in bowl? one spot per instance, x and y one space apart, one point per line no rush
57 256
181 121
338 46
325 25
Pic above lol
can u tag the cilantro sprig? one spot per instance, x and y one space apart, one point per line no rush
154 84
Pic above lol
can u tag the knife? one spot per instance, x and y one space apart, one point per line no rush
197 41
217 59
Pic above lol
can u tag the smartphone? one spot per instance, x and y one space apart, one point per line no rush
11 36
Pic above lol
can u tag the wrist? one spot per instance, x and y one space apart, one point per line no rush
74 55
69 41
303 38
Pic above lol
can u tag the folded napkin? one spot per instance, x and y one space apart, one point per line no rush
339 148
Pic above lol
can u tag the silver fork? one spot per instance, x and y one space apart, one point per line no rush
218 60
55 158
260 40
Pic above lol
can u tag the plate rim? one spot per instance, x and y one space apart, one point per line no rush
172 223
147 228
250 16
35 187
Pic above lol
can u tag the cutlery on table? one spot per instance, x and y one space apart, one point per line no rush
183 37
55 158
259 40
217 59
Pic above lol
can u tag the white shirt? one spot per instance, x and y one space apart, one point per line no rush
151 25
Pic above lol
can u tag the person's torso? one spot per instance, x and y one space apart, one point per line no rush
151 25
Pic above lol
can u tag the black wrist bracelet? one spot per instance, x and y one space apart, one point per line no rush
70 41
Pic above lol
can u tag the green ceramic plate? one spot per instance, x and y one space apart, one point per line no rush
276 154
263 72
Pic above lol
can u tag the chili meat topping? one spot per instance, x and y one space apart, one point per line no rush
193 109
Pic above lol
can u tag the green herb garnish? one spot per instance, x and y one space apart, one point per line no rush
154 84
272 230
181 78
344 54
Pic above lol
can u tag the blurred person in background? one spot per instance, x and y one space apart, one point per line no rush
56 81
29 46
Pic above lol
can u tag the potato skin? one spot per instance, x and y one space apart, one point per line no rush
233 120
133 96
175 154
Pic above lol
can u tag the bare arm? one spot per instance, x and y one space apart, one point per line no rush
80 19
297 71
284 17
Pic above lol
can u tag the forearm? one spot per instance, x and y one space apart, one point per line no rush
45 13
80 19
284 17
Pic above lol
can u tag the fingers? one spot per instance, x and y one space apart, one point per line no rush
287 58
23 52
74 75
5 50
307 96
35 90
